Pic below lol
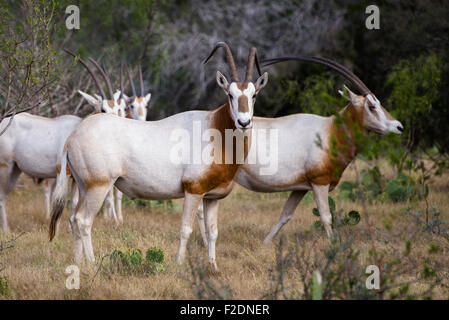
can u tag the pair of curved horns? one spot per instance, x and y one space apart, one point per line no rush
97 83
142 88
348 74
252 58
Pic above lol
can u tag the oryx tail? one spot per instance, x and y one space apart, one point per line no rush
59 195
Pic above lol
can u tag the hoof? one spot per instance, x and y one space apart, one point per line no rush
213 269
267 240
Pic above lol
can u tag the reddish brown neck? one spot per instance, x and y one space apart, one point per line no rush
344 131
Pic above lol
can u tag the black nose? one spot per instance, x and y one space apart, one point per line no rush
243 124
400 128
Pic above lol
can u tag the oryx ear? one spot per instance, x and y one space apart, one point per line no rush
147 98
261 82
95 102
117 95
354 98
222 81
127 99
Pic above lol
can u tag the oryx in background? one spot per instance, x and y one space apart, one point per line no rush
33 144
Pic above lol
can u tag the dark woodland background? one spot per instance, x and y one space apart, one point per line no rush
405 63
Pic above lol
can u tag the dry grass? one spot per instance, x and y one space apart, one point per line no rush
35 268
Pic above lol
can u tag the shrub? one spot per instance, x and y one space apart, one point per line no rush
155 258
131 261
167 205
402 188
4 286
352 218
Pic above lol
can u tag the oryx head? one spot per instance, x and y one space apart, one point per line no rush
241 95
115 104
137 104
374 116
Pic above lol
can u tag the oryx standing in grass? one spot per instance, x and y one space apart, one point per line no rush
143 159
34 144
313 151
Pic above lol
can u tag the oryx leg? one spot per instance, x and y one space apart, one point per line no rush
191 203
9 173
77 242
48 185
201 224
109 209
210 213
74 197
88 206
287 213
118 204
322 202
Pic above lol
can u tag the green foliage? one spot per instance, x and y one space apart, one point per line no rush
399 189
4 286
351 218
154 255
167 205
155 259
131 261
436 225
376 188
317 287
415 92
129 257
313 94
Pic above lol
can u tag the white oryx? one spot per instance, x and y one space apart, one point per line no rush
33 144
307 159
142 159
137 110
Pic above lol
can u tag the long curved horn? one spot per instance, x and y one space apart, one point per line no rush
229 59
130 80
97 83
142 88
348 74
105 77
121 80
252 57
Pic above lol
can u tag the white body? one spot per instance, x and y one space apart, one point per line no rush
304 153
138 161
298 152
137 157
32 144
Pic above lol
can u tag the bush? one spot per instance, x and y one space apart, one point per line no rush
4 286
402 188
131 261
352 218
167 205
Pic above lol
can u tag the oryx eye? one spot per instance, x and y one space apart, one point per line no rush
254 96
372 108
103 111
230 96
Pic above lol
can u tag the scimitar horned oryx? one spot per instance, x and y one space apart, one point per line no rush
34 144
303 163
150 167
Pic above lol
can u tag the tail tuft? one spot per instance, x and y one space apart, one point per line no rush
56 211
59 196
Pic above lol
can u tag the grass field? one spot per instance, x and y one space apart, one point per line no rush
35 268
